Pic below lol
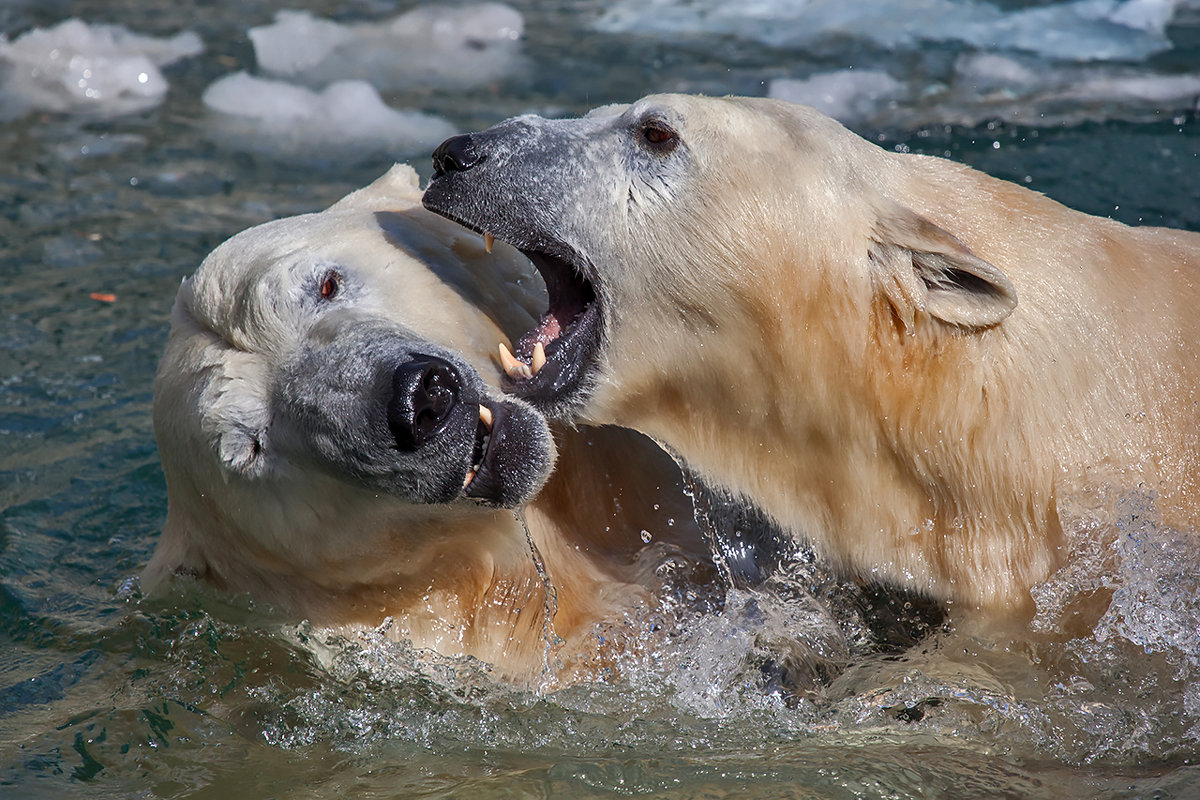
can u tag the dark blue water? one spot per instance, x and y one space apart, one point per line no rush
103 694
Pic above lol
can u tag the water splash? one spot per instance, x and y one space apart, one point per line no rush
553 642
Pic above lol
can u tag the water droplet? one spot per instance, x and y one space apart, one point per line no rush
646 537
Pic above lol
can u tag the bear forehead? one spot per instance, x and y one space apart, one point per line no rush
260 291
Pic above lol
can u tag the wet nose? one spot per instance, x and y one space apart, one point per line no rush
456 154
425 390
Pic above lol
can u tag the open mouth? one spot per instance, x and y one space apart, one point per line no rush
543 354
550 365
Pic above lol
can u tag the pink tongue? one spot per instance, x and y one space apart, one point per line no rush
548 329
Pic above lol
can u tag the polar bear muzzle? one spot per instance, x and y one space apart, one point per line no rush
509 455
370 404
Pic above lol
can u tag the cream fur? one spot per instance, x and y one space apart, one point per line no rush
458 578
770 323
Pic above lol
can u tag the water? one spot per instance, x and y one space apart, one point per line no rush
104 694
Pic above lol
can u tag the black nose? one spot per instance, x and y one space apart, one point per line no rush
424 392
456 154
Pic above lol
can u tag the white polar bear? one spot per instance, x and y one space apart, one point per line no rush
904 359
332 450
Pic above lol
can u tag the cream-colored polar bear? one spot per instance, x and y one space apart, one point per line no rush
334 447
902 358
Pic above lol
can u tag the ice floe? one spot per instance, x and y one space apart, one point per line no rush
77 67
989 86
1079 30
345 119
430 47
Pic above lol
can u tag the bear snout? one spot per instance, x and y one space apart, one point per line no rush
425 392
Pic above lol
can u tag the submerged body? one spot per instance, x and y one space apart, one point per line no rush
335 448
905 360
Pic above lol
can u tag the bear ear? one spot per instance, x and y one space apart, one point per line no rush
235 415
921 267
399 187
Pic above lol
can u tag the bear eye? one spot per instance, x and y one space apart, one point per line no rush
659 136
331 284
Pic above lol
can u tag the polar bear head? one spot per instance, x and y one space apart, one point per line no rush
326 391
804 317
670 217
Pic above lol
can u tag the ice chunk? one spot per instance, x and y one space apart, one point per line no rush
297 42
1081 30
988 86
346 119
428 47
850 96
74 66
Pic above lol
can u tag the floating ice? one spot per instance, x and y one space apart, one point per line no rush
74 66
428 47
1082 30
346 119
988 86
850 96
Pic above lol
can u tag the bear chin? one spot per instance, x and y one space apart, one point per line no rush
511 458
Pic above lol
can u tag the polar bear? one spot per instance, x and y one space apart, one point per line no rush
905 360
335 447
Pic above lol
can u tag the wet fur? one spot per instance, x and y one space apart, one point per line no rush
924 452
248 516
899 357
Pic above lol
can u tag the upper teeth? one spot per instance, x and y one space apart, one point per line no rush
488 241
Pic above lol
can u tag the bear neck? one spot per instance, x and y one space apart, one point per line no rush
477 593
808 414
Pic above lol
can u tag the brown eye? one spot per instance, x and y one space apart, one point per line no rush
330 285
659 136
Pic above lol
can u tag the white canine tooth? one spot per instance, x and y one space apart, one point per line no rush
485 416
539 358
508 360
470 477
488 241
512 365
